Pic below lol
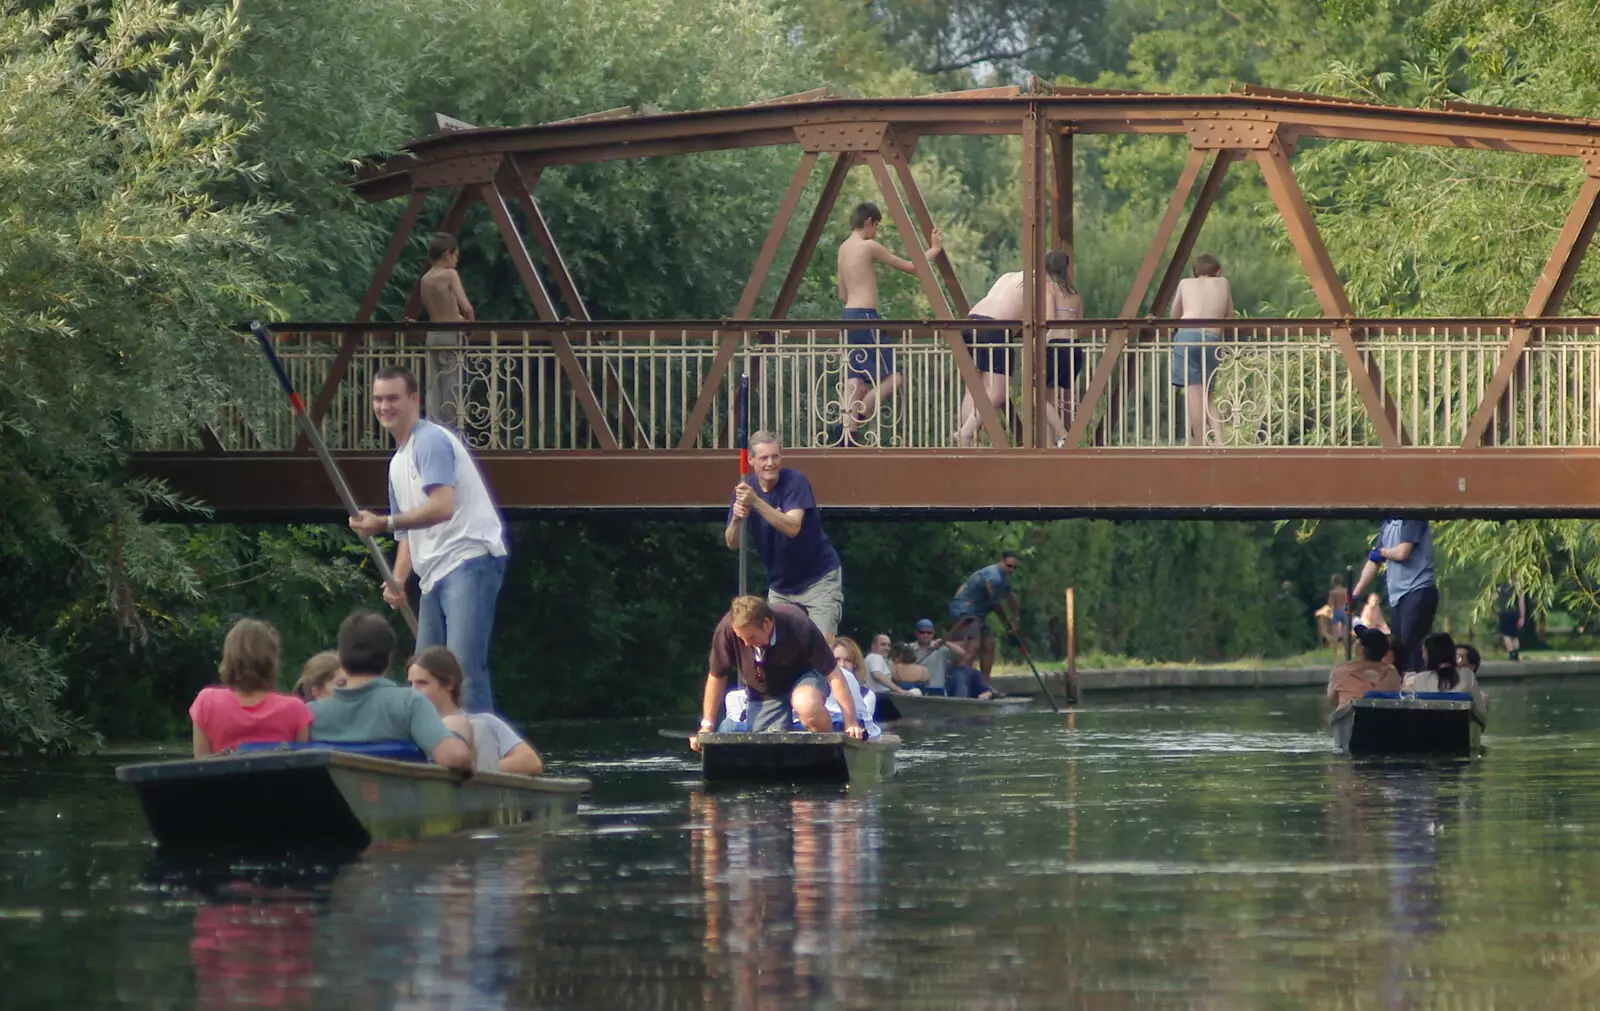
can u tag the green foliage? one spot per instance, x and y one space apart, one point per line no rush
173 168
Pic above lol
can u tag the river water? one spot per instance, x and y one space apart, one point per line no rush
1182 851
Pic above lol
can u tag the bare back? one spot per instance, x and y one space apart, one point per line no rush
1203 298
858 276
443 296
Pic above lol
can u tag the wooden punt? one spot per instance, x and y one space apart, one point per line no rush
897 706
1389 723
796 758
313 797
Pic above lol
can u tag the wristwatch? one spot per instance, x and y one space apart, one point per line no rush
706 724
388 521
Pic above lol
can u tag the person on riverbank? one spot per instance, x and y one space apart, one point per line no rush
1205 295
870 376
1405 551
1007 299
318 676
446 302
985 591
1372 613
1338 610
779 655
446 527
802 567
1513 616
496 746
370 707
247 708
1368 672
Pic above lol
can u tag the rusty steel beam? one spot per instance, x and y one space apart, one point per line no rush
1035 147
899 156
1061 191
729 342
727 129
490 194
1191 230
1211 483
1572 244
775 234
369 305
812 235
521 187
1307 241
930 287
1117 342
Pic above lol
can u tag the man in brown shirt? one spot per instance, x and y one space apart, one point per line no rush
1354 678
778 653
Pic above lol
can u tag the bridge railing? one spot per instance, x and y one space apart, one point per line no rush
1275 383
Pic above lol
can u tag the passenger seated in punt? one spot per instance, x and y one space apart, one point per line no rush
906 672
1371 671
847 654
880 666
370 707
1442 673
437 674
319 676
1468 658
247 709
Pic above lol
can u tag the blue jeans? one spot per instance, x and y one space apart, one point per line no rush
458 613
774 712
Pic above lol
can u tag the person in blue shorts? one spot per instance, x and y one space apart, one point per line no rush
988 589
870 376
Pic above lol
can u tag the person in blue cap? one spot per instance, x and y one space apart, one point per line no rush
1405 551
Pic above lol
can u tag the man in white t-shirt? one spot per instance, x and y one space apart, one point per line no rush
448 530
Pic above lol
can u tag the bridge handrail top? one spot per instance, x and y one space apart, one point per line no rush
1093 323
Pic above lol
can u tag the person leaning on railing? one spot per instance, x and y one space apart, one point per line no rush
1007 299
1206 295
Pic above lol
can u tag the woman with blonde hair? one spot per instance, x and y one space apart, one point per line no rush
246 708
848 656
319 676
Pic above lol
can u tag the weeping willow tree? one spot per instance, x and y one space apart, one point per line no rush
122 270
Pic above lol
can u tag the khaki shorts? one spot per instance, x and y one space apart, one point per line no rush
822 600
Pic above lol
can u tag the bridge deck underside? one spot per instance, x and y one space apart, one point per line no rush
1174 482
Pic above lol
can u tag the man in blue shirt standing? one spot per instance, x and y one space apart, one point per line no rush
988 589
802 567
1405 547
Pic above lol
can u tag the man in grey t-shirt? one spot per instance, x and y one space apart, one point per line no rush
370 707
1405 550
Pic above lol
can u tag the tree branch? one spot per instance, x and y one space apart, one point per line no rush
972 61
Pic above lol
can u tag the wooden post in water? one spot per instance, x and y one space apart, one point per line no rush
1072 648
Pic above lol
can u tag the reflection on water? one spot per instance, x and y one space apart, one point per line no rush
1196 852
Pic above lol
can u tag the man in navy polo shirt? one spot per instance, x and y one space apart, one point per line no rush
802 567
1405 548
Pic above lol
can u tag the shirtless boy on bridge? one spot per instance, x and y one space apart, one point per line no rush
446 302
871 378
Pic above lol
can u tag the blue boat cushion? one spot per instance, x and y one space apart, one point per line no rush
1424 696
398 751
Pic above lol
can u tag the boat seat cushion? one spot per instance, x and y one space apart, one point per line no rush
1426 696
398 751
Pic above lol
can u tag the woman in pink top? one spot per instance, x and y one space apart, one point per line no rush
246 710
1005 300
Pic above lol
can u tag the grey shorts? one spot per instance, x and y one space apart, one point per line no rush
775 713
822 600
